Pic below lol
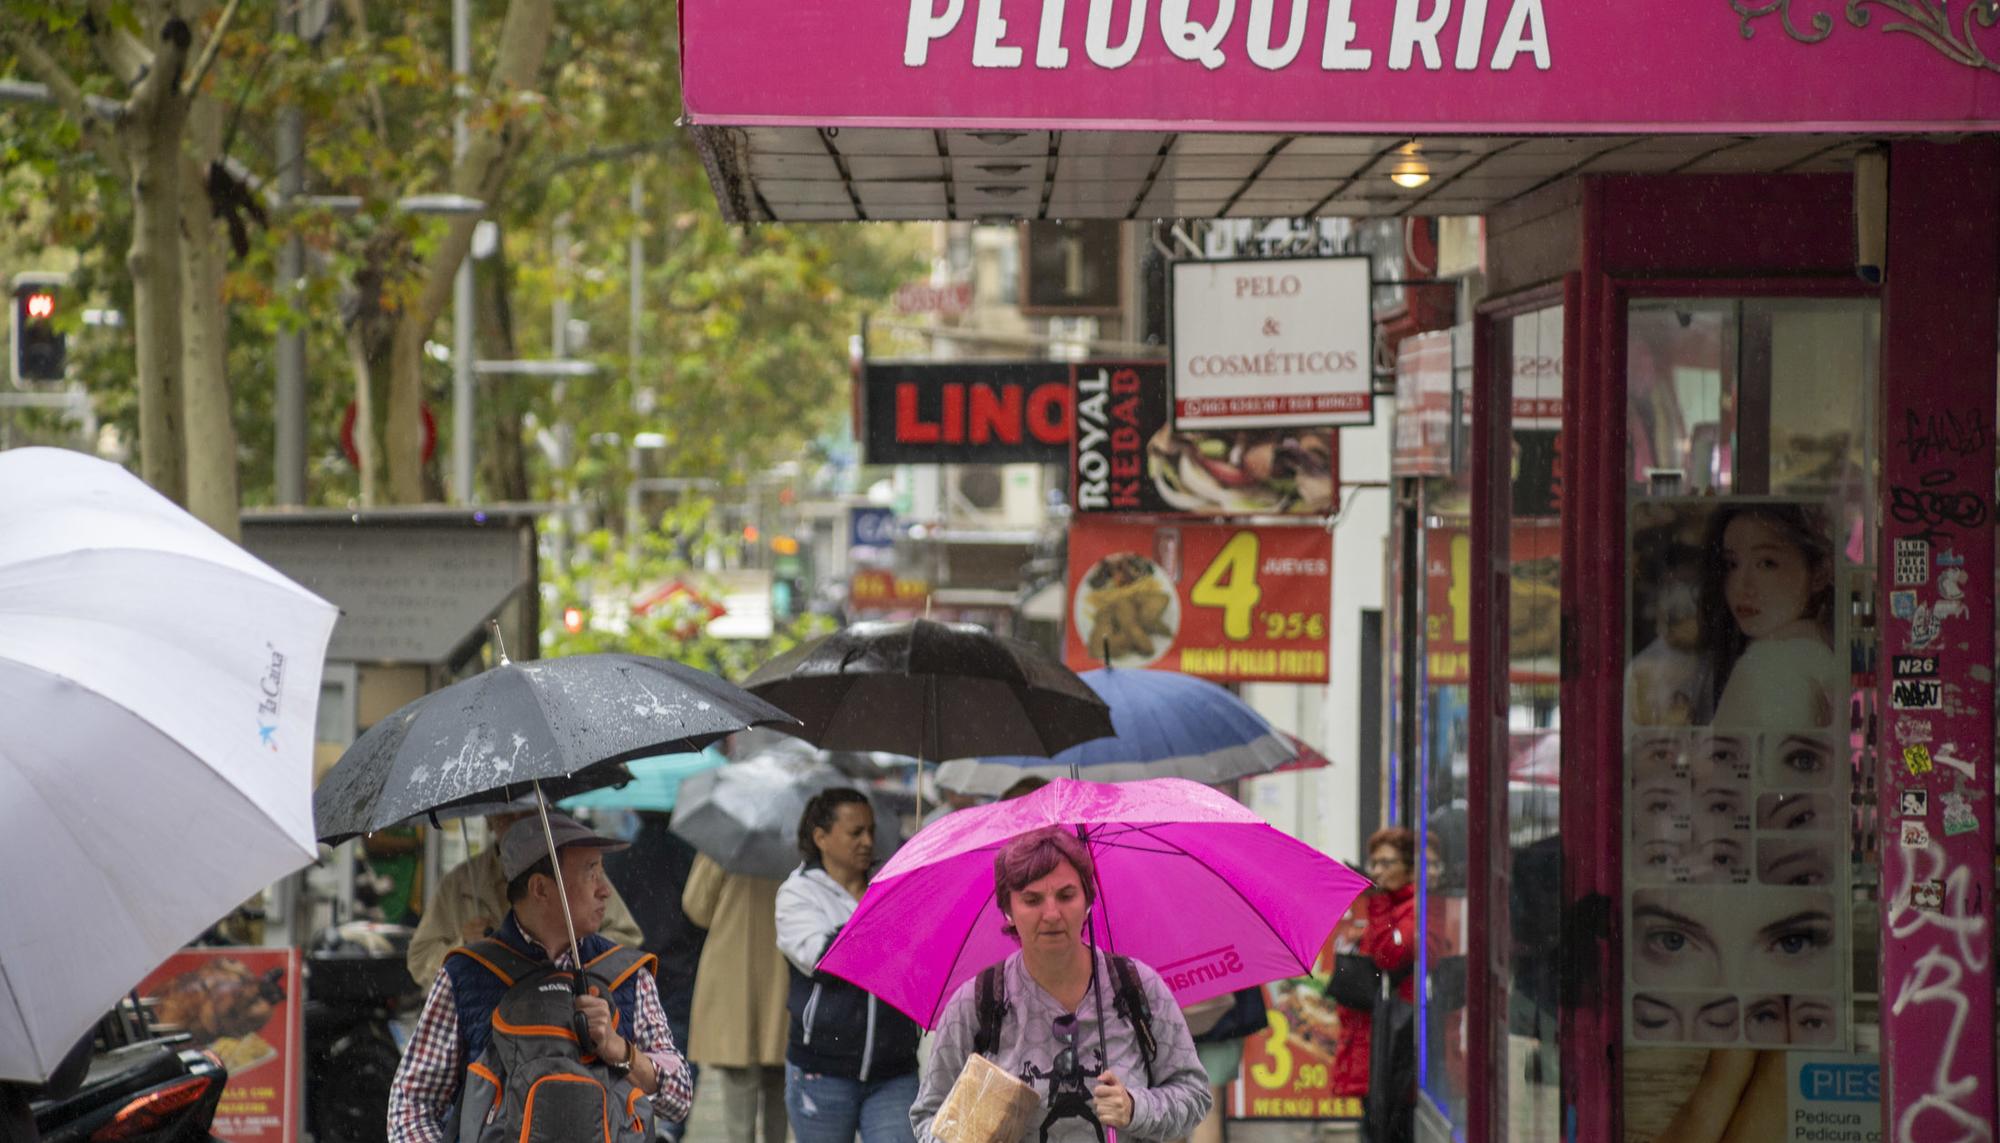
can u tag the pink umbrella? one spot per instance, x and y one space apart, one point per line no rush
1189 882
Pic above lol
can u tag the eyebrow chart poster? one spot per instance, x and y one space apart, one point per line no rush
1737 777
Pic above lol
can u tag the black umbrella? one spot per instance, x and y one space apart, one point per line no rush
932 691
501 734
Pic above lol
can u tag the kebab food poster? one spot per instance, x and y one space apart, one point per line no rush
1242 604
1127 457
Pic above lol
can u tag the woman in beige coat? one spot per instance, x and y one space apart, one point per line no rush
739 1022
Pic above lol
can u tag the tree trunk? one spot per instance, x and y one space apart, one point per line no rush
153 144
402 425
503 456
214 487
367 450
480 173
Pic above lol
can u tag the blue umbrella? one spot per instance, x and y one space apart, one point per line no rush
1168 725
655 784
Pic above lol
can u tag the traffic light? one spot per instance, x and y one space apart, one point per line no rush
40 348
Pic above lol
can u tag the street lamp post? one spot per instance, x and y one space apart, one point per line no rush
461 289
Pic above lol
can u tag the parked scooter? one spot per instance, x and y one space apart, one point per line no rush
356 989
129 1085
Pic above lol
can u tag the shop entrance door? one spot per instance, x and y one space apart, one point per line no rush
1747 839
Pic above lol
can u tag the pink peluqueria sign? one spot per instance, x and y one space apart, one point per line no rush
1345 66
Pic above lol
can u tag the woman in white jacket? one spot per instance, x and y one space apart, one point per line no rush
851 1060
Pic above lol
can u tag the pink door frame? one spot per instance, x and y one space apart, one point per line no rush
1737 236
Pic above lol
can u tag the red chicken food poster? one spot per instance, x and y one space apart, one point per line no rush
242 1004
1235 604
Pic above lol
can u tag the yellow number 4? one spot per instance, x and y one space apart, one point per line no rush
1237 563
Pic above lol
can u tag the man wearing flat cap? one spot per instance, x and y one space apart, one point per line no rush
627 1029
472 896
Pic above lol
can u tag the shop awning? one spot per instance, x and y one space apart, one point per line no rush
798 174
1000 109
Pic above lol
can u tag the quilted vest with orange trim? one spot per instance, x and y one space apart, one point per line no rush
527 1079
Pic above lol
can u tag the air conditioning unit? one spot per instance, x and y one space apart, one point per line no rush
995 497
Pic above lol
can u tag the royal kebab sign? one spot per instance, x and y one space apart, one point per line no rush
1130 459
1234 604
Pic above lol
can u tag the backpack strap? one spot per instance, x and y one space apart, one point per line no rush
1129 1000
990 1007
498 958
618 964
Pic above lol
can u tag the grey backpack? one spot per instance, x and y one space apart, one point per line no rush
533 1083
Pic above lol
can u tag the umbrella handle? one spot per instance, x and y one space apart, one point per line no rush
577 1023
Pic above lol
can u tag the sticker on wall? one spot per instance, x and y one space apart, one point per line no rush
1916 694
1951 595
1911 729
1928 895
1924 627
1916 803
1903 604
1916 835
1917 759
1915 666
1958 816
1913 566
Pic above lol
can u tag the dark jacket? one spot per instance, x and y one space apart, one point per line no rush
836 1029
478 988
651 876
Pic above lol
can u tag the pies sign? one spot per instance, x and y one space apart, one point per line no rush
1225 603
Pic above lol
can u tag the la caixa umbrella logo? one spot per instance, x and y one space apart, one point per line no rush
273 687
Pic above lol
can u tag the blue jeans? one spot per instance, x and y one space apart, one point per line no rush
828 1109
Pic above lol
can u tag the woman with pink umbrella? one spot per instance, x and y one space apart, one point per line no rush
1100 1034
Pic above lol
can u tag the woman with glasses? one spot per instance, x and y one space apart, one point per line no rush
1055 1019
1387 922
1389 938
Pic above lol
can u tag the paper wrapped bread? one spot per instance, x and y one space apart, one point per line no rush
986 1105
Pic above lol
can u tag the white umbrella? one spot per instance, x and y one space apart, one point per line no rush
157 695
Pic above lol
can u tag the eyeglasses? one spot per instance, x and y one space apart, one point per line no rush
1385 862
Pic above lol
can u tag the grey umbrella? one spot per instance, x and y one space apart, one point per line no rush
746 815
501 734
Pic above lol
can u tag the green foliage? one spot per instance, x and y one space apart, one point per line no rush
743 333
604 577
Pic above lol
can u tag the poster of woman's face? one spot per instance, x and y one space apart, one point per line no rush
1733 615
1736 865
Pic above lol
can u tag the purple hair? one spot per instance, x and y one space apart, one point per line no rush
1031 856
